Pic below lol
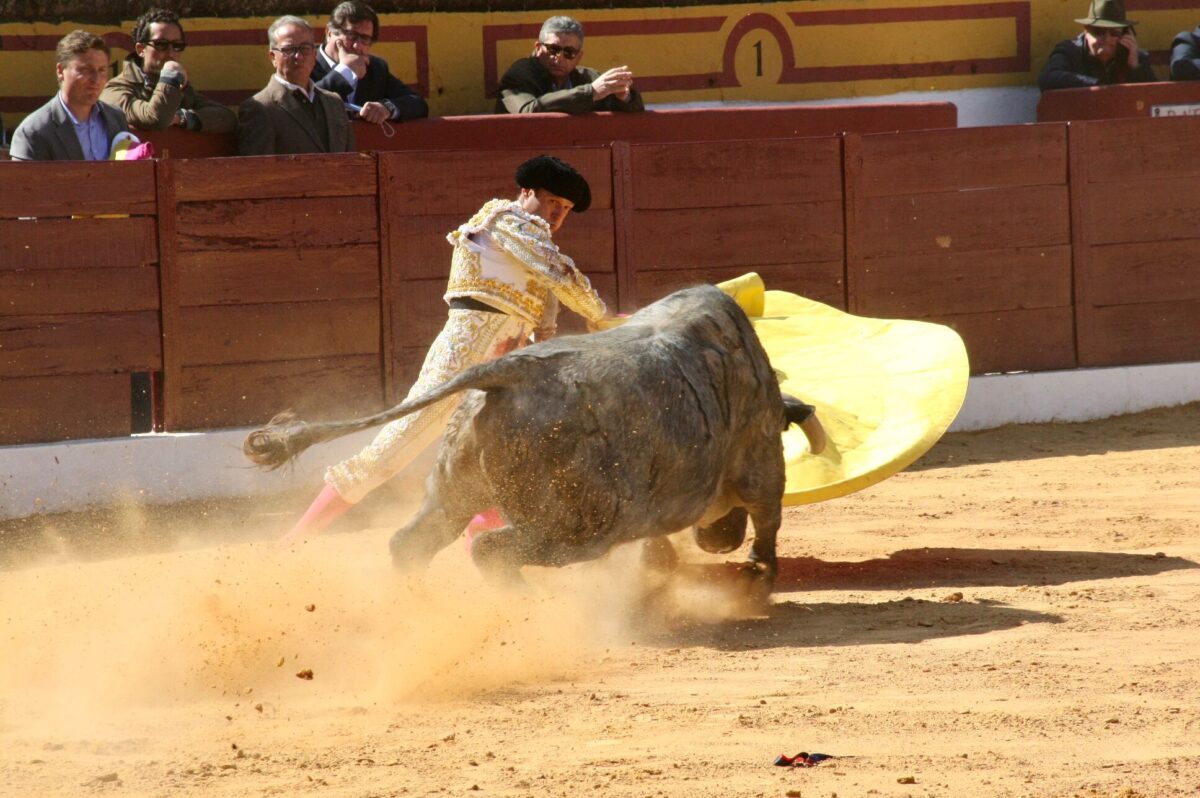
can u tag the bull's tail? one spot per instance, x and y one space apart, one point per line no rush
286 436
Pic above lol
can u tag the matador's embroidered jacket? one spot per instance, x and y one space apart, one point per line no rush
523 284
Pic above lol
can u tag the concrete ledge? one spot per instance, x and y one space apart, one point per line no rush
161 469
151 469
1075 395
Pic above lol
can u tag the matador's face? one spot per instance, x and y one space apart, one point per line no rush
551 207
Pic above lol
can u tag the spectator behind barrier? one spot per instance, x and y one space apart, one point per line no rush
346 67
74 125
291 115
1105 53
153 88
1185 56
551 79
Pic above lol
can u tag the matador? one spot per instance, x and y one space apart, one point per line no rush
507 278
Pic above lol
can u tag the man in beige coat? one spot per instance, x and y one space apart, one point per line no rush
153 89
291 115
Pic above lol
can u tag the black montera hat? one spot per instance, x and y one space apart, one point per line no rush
557 177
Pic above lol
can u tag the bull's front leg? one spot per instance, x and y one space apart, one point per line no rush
763 564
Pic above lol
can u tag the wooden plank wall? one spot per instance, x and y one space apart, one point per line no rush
315 282
79 298
1137 295
969 227
272 291
1112 102
428 194
709 211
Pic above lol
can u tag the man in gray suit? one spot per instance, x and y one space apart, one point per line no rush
74 125
291 115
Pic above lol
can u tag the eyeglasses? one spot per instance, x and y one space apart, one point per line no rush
162 45
296 50
569 53
356 38
1114 33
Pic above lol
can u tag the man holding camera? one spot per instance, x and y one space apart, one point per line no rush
153 88
552 80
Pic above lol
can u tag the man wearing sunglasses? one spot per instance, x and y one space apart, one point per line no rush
153 88
1105 53
551 79
346 67
292 114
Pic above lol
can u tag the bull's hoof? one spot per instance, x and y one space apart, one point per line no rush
756 581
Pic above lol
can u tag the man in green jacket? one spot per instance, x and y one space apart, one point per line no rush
153 88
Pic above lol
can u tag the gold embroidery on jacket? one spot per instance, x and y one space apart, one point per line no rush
527 238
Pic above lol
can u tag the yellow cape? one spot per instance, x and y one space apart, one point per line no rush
885 389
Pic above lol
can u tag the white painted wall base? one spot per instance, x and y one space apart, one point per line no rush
160 469
1075 395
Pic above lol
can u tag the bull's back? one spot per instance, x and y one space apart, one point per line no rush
623 437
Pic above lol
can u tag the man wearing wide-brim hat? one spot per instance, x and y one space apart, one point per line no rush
1105 53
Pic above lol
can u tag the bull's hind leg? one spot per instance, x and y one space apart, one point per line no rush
499 555
725 534
433 528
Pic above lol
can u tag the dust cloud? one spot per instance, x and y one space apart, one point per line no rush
242 624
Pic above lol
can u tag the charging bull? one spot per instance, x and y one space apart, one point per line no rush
583 442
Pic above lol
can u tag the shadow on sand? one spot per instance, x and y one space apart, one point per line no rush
1165 428
918 568
797 624
791 624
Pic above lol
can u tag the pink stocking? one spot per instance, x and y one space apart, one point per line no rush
325 509
484 522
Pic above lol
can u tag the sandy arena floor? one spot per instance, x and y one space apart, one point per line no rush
1017 615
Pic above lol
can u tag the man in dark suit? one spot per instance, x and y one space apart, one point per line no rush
75 125
551 79
291 115
346 67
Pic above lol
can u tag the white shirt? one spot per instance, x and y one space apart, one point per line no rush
341 69
310 91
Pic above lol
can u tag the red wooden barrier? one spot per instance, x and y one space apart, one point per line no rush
425 195
709 211
272 295
80 297
315 281
1125 100
561 130
1136 292
968 227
